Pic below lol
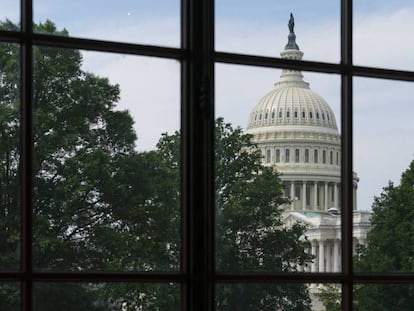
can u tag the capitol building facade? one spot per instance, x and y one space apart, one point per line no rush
297 133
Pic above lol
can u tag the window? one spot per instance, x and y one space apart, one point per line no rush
197 277
297 155
331 157
306 155
324 156
288 114
277 155
296 114
287 155
303 115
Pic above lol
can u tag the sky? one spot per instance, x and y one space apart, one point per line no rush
150 87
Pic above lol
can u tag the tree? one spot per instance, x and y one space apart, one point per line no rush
330 296
96 201
390 247
250 233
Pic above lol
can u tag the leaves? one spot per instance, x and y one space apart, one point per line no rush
390 246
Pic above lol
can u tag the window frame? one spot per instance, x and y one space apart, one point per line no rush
197 55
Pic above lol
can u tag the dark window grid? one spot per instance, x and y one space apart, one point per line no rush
198 58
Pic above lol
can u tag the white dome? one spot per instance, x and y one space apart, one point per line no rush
291 102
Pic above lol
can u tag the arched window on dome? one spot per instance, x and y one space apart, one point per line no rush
303 115
315 156
260 117
280 114
337 158
331 157
306 155
296 114
324 156
288 114
287 155
255 117
310 115
317 115
323 116
327 115
273 114
268 156
266 115
297 155
277 155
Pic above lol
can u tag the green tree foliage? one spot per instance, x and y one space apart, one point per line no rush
330 296
98 205
250 233
390 247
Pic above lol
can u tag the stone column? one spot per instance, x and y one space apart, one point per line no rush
304 196
292 194
335 256
313 265
326 196
336 196
355 197
321 256
315 196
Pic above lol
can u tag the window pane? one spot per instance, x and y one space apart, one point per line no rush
103 199
383 297
9 156
383 157
105 296
263 217
144 21
251 297
10 14
9 296
248 28
381 33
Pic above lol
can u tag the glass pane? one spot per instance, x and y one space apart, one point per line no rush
383 151
145 21
383 297
9 296
10 14
381 33
9 156
105 296
287 297
278 189
103 199
248 28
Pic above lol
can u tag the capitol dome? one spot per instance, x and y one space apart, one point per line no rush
292 103
296 132
295 129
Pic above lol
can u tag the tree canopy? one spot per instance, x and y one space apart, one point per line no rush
390 247
100 205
